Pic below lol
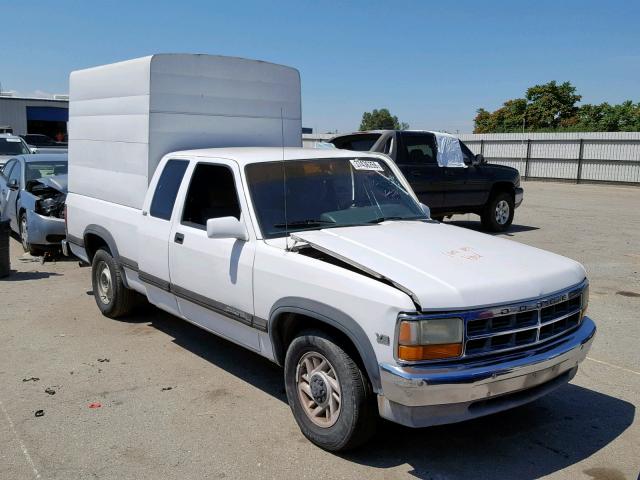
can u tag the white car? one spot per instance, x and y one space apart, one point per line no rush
11 146
321 260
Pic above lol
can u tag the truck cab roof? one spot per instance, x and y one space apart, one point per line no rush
246 155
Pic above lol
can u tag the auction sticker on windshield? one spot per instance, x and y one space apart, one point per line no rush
371 165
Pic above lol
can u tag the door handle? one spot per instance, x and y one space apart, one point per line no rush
179 238
416 173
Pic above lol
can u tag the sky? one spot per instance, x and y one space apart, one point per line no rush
433 64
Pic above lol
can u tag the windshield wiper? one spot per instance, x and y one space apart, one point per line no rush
384 219
310 222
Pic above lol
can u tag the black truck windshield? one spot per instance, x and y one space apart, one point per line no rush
327 193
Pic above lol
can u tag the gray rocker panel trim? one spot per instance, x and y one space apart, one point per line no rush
204 302
334 318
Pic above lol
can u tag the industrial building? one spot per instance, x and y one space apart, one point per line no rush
34 115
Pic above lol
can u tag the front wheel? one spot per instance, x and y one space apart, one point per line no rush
329 394
498 213
112 297
24 237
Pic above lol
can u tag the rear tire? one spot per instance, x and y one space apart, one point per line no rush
322 377
113 299
498 212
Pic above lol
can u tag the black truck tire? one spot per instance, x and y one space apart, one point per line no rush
113 299
340 381
497 215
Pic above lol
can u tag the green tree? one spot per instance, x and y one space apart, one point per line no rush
381 120
551 106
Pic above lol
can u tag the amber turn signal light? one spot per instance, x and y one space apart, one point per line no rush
413 353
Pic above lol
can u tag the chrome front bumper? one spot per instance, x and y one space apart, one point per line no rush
419 396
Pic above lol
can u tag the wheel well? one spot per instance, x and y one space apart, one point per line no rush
92 243
499 187
288 325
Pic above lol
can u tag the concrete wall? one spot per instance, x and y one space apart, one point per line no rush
578 157
13 111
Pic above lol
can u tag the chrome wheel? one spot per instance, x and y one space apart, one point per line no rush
502 212
318 389
104 283
24 233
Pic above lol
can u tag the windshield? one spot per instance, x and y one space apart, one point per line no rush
35 170
327 193
13 146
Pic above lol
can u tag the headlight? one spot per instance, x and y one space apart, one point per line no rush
433 339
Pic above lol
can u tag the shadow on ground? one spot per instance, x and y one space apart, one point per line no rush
477 226
531 441
16 276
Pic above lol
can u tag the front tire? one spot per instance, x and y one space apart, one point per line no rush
113 299
329 394
24 238
498 212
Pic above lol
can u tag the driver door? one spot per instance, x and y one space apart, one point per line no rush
212 278
10 210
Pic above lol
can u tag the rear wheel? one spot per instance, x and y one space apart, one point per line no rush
112 297
498 212
329 395
24 238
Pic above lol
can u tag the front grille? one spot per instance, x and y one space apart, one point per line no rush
517 326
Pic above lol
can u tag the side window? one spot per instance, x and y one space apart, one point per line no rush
6 170
212 194
15 173
418 149
167 189
466 154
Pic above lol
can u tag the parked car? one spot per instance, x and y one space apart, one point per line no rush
445 174
12 145
321 260
39 140
33 189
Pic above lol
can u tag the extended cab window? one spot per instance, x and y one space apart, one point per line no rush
418 149
212 194
165 195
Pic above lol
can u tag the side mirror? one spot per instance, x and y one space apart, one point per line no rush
227 227
13 184
478 160
426 210
33 149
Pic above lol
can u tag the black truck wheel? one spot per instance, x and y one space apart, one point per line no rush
113 299
329 395
498 212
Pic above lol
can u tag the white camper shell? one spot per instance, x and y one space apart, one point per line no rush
125 116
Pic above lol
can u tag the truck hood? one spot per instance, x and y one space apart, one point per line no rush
443 267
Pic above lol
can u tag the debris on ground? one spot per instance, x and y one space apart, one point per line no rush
95 405
102 360
31 379
50 391
164 389
39 413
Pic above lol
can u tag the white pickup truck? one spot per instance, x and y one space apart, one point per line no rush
322 261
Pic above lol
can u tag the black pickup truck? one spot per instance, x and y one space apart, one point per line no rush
445 174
